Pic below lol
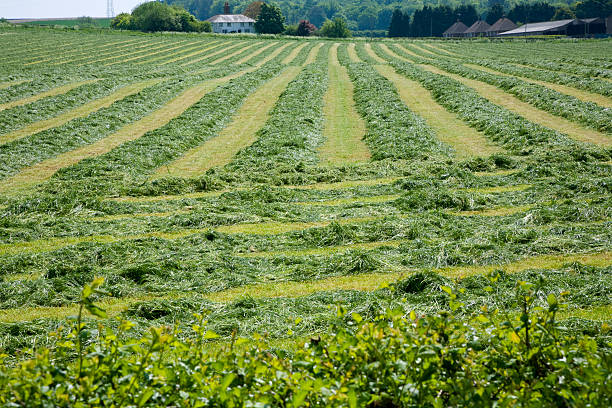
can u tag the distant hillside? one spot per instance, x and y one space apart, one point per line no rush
361 15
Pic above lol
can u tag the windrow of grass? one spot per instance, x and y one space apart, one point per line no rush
393 131
585 96
466 141
239 134
567 106
585 78
267 309
290 137
46 168
80 111
503 126
96 126
139 158
344 128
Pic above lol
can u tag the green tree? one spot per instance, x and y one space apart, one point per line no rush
367 20
122 21
253 10
156 16
317 16
593 8
336 28
563 12
270 20
395 27
495 13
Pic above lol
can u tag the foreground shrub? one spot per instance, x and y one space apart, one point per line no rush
490 359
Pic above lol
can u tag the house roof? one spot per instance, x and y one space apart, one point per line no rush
539 27
456 28
479 26
230 18
503 24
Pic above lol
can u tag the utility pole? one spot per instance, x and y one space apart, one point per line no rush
110 10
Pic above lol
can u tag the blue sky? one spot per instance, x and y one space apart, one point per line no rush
61 8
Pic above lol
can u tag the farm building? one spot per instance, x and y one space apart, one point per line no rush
500 26
572 27
231 23
456 30
478 29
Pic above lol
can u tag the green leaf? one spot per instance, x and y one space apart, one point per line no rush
228 380
95 310
357 317
144 397
352 399
298 399
210 335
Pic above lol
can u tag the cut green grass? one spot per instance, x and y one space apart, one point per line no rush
78 112
60 90
580 94
240 133
466 141
360 282
344 128
512 103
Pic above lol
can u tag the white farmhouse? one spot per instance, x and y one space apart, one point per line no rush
231 23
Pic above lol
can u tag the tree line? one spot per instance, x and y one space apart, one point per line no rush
433 21
158 16
377 14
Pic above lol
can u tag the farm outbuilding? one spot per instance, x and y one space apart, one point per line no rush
502 25
571 27
478 29
456 30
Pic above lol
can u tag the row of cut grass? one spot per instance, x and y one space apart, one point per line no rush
344 129
361 282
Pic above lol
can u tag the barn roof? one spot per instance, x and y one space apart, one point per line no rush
456 28
479 26
503 24
539 27
230 18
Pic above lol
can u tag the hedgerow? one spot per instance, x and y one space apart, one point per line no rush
394 359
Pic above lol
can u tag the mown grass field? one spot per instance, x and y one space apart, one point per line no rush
268 180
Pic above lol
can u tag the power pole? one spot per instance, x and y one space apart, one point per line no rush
110 10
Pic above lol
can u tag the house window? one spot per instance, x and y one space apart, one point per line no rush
250 24
241 24
229 24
